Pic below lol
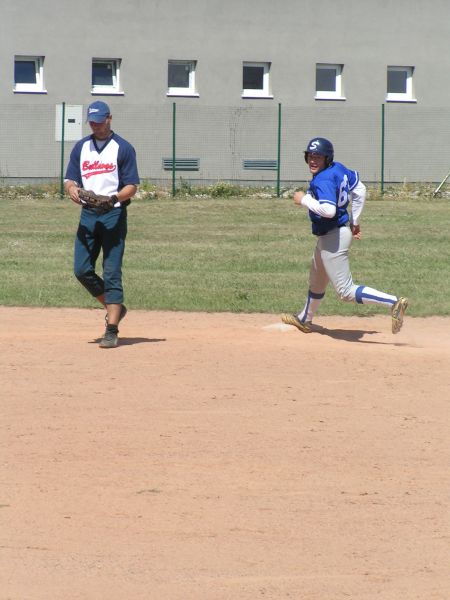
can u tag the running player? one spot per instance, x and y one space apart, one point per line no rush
332 187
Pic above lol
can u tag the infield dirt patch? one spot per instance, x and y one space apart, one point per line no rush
219 456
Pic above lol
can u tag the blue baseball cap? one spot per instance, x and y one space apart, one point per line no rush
98 112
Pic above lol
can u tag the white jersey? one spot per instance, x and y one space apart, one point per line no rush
104 170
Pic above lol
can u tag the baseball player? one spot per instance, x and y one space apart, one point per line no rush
328 197
105 164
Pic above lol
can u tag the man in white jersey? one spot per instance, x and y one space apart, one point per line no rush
106 164
327 200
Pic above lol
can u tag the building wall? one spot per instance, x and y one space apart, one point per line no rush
293 35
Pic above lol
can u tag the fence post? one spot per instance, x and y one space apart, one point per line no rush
61 178
382 147
174 112
279 149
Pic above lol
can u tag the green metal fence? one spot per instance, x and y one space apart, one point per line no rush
247 145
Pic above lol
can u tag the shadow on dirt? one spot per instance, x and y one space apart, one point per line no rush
124 341
353 335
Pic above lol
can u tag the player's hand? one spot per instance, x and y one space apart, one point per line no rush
298 197
73 194
356 231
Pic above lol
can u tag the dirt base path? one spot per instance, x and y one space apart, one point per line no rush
215 457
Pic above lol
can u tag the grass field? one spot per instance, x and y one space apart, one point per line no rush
233 254
224 455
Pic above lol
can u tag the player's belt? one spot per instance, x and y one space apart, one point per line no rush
332 229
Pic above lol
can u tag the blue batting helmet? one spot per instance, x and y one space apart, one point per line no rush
320 146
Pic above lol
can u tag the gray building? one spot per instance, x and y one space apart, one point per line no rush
241 86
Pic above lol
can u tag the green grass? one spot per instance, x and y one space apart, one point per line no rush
226 254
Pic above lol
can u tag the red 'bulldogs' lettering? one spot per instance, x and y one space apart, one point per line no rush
96 168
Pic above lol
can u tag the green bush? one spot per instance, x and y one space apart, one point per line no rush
221 189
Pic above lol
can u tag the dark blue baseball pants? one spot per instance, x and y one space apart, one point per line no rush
106 232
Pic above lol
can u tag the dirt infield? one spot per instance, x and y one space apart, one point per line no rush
215 457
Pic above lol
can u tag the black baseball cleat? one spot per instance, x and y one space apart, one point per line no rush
110 338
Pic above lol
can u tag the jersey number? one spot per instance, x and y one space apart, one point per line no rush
343 192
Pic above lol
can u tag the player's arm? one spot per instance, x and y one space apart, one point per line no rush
359 193
129 176
127 192
73 175
358 199
71 189
323 208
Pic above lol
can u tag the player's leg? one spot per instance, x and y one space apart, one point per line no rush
397 305
114 231
318 281
101 299
367 295
122 312
334 251
335 248
86 252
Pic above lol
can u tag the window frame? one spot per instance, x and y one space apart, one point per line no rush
407 96
116 87
338 93
31 88
265 92
190 91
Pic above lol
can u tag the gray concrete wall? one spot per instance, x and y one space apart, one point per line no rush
293 35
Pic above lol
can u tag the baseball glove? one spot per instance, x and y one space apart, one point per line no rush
96 201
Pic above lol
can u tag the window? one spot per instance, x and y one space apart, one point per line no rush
181 78
399 84
329 82
29 74
106 76
255 80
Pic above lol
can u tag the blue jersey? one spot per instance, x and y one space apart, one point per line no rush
332 186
